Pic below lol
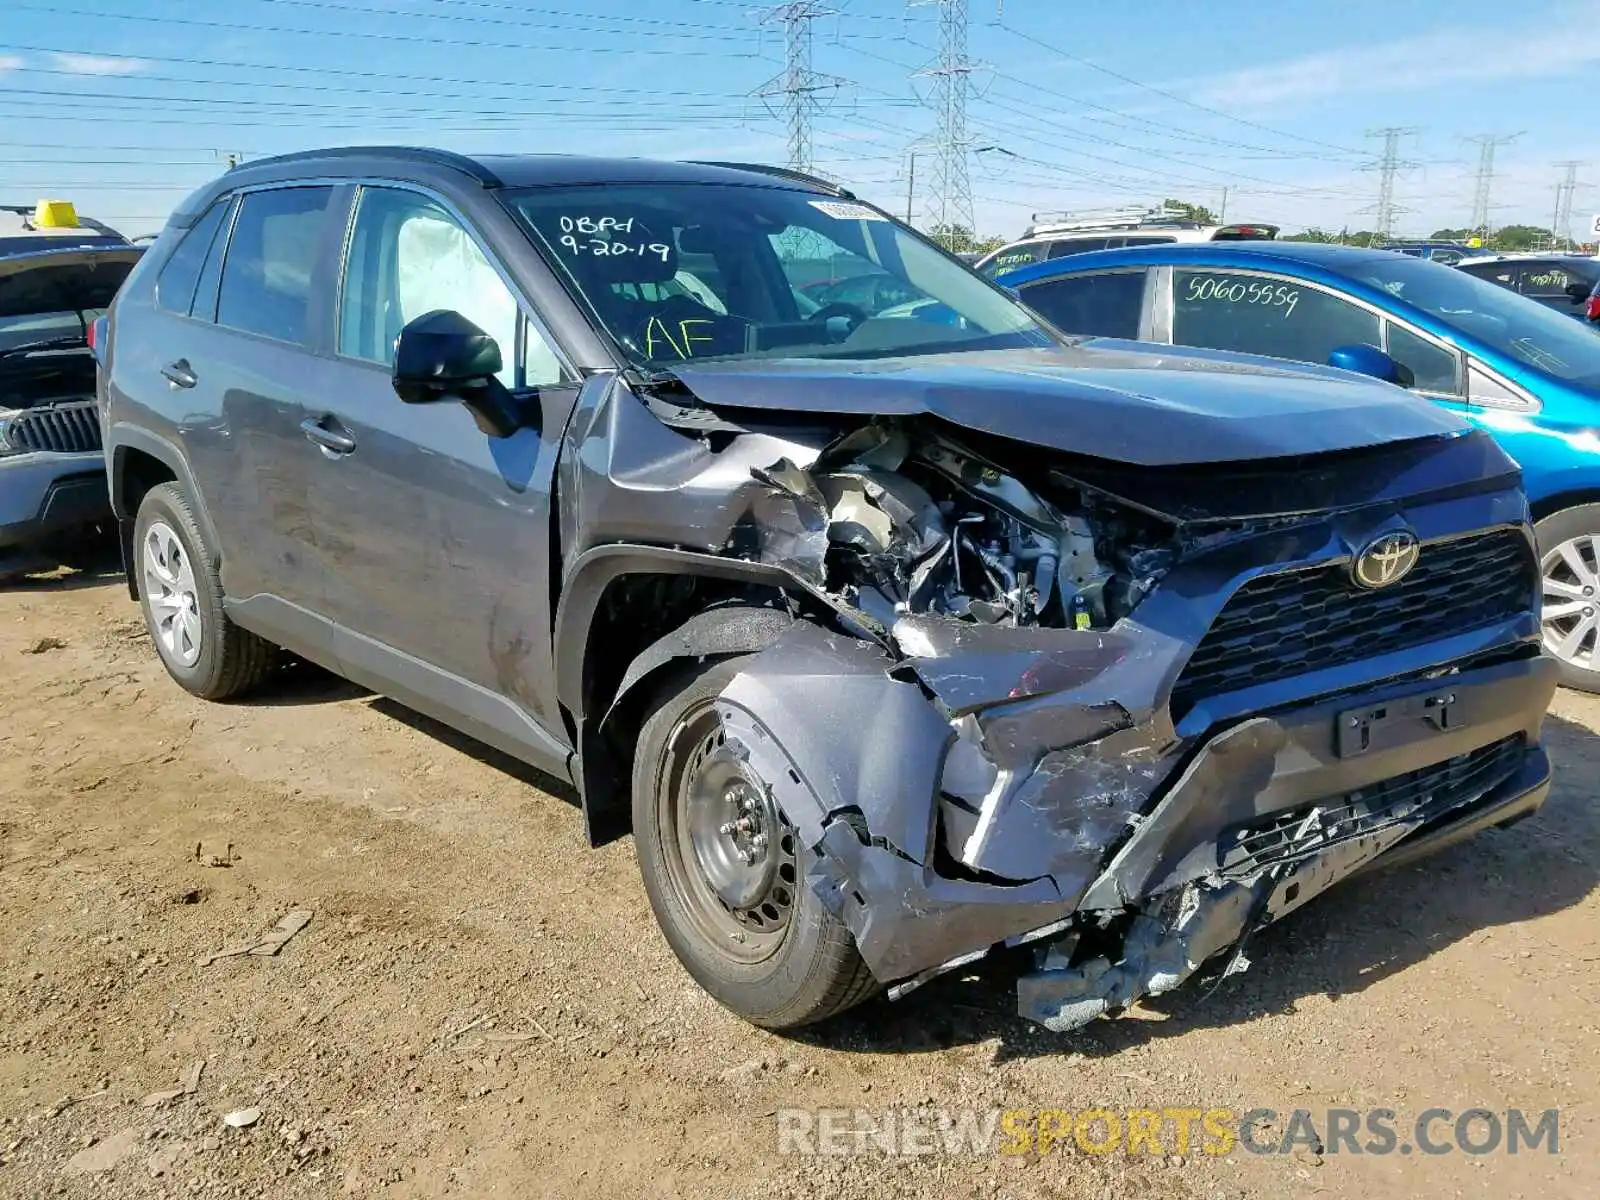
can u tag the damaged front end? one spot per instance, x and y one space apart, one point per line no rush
1123 712
1025 729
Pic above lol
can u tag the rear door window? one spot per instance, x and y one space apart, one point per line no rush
175 286
1266 314
1498 273
266 277
1102 304
1077 246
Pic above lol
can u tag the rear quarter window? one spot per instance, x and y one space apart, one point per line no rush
175 286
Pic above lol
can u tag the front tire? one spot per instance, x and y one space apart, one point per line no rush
1569 561
180 592
723 870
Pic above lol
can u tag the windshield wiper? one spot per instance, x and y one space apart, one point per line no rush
73 342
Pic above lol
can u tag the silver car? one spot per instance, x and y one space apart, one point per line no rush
54 282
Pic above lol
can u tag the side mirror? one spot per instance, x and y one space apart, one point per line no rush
1369 360
1578 292
443 356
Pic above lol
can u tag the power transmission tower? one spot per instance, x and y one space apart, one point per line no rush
798 84
1561 225
951 74
1487 144
1388 168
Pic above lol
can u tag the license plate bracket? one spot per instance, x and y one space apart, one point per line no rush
1394 722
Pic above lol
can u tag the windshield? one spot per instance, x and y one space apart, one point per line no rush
691 271
1523 329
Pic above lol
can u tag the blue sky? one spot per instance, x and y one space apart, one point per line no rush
126 105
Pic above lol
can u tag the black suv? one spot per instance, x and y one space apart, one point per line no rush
894 637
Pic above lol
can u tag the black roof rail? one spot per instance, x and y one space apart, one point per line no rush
780 173
421 154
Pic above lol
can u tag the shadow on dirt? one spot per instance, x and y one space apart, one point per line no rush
488 755
66 565
299 682
1357 935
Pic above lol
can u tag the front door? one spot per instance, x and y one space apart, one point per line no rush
1283 317
435 536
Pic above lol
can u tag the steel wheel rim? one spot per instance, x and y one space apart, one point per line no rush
1570 620
170 598
741 908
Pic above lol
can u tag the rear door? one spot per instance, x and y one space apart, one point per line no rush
1094 304
261 309
436 536
215 362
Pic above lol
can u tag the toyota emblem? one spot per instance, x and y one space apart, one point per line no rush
1386 559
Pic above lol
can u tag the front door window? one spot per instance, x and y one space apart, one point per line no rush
1266 314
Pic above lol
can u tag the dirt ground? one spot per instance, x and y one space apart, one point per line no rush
481 1006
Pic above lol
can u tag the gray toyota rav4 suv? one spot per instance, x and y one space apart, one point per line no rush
894 637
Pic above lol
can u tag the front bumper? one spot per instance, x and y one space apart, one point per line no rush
43 494
1177 931
1113 813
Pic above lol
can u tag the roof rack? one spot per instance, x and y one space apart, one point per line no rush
423 154
1126 217
780 173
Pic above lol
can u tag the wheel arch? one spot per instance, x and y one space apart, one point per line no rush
606 658
1548 506
137 461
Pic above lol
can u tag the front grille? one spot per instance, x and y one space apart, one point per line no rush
1411 799
1279 626
59 428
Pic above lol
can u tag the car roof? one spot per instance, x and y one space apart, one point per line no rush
496 171
1248 253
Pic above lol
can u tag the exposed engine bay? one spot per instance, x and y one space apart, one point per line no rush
927 527
38 379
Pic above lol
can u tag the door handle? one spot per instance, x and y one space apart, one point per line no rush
337 441
178 374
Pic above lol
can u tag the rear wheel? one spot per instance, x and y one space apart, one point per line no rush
180 592
721 865
1569 561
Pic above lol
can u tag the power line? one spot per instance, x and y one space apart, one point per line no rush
1145 152
1173 96
1561 226
1388 168
798 85
1487 144
951 73
373 35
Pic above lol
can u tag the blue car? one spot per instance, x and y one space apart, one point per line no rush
1528 375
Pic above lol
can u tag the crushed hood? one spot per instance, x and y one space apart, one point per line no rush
63 280
1147 406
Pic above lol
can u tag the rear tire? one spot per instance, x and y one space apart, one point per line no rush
1569 561
775 956
180 593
